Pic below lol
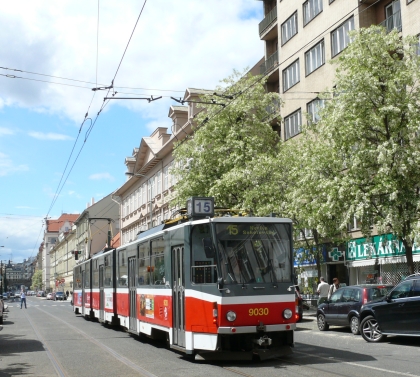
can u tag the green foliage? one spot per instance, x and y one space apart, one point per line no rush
37 280
363 157
233 152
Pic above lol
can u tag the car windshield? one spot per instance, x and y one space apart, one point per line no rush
254 252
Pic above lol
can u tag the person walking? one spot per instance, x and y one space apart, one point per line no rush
334 286
22 299
322 290
67 294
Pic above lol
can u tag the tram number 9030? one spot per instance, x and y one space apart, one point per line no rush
258 311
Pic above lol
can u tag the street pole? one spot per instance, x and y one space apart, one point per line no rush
1 276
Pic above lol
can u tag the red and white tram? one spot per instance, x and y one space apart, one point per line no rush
214 286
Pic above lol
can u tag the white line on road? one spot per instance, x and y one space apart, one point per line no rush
359 365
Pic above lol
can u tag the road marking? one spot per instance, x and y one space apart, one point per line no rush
358 365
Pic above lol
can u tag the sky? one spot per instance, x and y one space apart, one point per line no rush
53 158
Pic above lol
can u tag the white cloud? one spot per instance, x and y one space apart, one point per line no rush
101 176
21 237
49 136
8 167
5 131
177 44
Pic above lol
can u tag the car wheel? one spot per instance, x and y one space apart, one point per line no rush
354 325
370 330
322 324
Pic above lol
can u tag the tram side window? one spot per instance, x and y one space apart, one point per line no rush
157 265
95 274
87 275
108 272
122 269
143 257
203 267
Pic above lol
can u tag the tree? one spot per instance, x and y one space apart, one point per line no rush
363 157
37 280
233 152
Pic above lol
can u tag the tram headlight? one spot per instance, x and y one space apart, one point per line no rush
287 313
231 316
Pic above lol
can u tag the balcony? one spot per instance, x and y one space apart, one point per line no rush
268 21
392 22
269 63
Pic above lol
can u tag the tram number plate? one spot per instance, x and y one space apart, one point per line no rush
258 312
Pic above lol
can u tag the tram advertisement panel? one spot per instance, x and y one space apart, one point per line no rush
154 307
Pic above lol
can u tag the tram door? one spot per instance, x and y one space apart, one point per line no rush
178 296
101 294
83 294
132 293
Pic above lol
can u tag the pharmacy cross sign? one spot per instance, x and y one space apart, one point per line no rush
335 254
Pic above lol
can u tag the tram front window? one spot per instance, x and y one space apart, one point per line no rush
254 253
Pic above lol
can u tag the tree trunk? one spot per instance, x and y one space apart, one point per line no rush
409 256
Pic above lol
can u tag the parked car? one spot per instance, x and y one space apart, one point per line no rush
60 296
40 294
343 307
5 296
17 294
398 313
51 296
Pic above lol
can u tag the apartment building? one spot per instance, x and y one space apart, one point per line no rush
52 230
301 37
145 198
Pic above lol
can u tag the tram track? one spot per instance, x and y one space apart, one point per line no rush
60 370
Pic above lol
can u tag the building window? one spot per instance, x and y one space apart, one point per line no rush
165 178
311 8
354 224
313 108
292 124
393 16
340 36
289 28
291 75
159 183
314 58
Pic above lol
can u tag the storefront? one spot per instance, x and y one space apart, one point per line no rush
379 259
332 266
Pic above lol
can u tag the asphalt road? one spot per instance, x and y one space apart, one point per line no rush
48 339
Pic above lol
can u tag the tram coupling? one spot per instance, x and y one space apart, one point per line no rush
263 341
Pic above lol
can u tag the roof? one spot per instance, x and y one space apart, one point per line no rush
55 225
116 240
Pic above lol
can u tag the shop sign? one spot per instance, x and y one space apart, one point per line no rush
304 258
381 246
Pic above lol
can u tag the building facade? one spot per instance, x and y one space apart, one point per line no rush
300 38
52 230
145 198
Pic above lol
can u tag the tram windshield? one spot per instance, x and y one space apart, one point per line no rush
254 253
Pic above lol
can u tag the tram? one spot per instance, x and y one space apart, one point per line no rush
209 284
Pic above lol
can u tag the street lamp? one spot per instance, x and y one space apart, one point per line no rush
150 201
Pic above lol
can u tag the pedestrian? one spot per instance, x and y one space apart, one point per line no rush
322 290
67 294
22 298
334 286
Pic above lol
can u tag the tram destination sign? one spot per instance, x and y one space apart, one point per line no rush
200 207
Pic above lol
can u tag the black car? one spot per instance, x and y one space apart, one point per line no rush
343 307
60 296
398 313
